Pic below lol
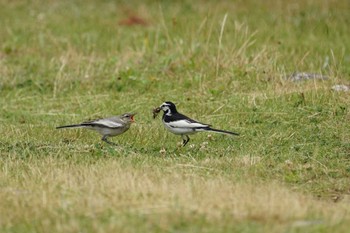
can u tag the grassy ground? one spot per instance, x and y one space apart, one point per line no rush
223 63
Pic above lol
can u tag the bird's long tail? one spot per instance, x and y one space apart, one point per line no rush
222 131
70 126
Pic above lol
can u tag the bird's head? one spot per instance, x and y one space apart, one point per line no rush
128 117
168 107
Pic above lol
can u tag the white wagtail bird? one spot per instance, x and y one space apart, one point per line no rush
107 127
180 124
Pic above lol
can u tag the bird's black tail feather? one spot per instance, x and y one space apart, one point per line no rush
222 131
69 126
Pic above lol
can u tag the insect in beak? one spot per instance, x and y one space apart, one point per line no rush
155 112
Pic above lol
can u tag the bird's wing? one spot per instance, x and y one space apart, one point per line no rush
104 122
179 120
186 123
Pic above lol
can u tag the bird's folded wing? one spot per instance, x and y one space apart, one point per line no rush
104 123
186 124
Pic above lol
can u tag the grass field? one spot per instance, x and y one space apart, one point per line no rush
223 63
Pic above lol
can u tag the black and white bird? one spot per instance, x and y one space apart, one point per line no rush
107 127
180 124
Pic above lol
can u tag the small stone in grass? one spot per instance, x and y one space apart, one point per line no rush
341 87
300 76
162 151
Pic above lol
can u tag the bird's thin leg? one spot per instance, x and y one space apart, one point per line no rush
185 139
104 138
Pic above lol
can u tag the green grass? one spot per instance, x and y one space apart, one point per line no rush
223 63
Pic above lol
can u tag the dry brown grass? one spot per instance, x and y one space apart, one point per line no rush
50 191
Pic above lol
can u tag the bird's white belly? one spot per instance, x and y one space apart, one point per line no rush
180 131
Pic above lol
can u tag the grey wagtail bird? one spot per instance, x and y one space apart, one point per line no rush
107 127
180 124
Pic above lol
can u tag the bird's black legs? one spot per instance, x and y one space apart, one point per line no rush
185 139
104 138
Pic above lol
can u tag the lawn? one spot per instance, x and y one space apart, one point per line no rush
227 63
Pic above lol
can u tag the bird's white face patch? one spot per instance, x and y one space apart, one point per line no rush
165 107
